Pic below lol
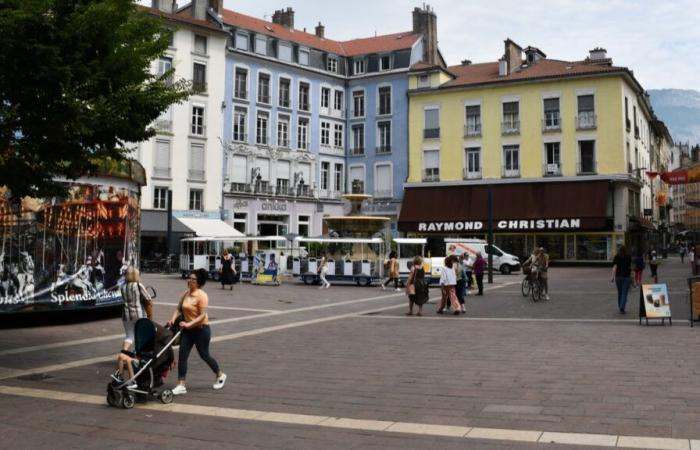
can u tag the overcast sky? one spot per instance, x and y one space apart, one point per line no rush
658 39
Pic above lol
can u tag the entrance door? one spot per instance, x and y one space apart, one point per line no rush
272 225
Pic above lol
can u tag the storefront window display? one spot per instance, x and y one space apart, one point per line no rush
593 247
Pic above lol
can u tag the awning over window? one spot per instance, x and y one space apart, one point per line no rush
544 206
210 227
154 223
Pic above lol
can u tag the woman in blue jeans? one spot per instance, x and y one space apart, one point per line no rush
622 268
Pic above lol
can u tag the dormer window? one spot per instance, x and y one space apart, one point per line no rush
261 45
385 62
332 64
423 80
303 57
284 51
200 44
242 41
359 66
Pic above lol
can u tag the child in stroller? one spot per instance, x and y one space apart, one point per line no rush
152 359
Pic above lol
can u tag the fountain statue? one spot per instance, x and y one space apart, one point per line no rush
354 224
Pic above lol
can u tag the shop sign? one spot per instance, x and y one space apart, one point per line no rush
502 225
273 206
648 212
241 204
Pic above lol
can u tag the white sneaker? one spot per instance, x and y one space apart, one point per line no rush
220 382
179 389
397 290
546 297
383 288
328 285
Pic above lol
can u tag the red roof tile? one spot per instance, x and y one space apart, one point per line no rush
353 47
182 18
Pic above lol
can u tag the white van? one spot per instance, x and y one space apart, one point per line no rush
502 261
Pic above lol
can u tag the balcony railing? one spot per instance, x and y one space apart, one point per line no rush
471 174
472 130
240 137
586 168
284 102
281 190
198 130
197 175
510 173
240 95
161 172
264 99
244 188
551 169
511 127
636 131
551 123
431 133
163 125
357 151
586 121
283 143
383 149
304 106
383 194
431 175
199 87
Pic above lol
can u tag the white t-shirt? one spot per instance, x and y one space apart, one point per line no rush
448 277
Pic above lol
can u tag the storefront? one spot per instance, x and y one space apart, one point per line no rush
572 220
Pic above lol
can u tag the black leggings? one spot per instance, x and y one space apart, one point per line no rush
197 337
396 282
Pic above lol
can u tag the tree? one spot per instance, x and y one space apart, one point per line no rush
76 88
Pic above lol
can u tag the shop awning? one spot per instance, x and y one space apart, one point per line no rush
644 223
210 227
156 222
543 206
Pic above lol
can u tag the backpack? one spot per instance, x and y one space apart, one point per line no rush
387 265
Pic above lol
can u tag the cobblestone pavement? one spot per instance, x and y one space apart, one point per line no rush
345 368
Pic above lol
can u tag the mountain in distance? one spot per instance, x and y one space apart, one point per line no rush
680 110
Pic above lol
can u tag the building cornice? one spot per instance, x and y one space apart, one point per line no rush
613 178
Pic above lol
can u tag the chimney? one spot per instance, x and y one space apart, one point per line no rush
425 24
502 67
320 30
284 18
513 55
166 6
198 9
598 53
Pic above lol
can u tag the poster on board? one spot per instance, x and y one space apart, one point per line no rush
657 304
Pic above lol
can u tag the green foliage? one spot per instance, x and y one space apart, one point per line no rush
76 87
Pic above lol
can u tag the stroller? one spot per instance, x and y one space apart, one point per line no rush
153 347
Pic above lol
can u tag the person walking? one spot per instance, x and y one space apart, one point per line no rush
461 281
228 270
638 266
654 266
448 281
681 252
416 287
479 268
322 271
137 303
191 317
392 268
543 269
468 263
622 267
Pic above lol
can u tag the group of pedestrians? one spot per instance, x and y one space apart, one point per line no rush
624 265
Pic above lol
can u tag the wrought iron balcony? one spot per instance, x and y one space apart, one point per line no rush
551 169
586 121
471 174
472 130
431 133
510 127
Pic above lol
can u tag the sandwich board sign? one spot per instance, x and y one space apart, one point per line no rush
654 303
694 285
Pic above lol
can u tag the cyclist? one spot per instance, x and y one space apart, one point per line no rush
542 263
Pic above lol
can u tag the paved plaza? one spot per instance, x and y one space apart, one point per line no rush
345 368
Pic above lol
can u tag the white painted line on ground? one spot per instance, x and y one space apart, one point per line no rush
232 308
501 319
496 434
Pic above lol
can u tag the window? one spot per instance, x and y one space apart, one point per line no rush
627 114
473 118
586 157
196 200
472 162
264 88
285 94
197 124
325 97
511 118
431 165
338 177
240 85
551 114
384 135
552 158
283 131
511 160
385 62
326 134
357 179
239 173
303 134
423 81
586 112
359 66
384 100
338 135
240 118
283 168
196 171
431 127
242 41
164 65
383 181
199 78
304 96
338 100
303 226
261 128
239 221
284 51
160 197
325 175
358 103
200 44
304 57
634 117
332 64
161 167
358 139
261 45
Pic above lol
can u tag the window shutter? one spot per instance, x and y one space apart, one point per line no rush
383 181
305 170
585 103
510 108
283 169
551 105
357 173
431 159
432 119
163 154
473 110
264 165
239 169
197 157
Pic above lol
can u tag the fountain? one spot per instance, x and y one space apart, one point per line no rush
354 224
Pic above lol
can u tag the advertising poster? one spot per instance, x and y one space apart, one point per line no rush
657 304
70 252
695 300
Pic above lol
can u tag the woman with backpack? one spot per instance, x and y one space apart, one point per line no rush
416 287
392 270
638 266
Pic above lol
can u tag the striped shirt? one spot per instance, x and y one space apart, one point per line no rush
132 294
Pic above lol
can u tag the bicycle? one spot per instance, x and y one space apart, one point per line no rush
532 286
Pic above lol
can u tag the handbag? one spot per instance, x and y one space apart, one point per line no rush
410 284
146 303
